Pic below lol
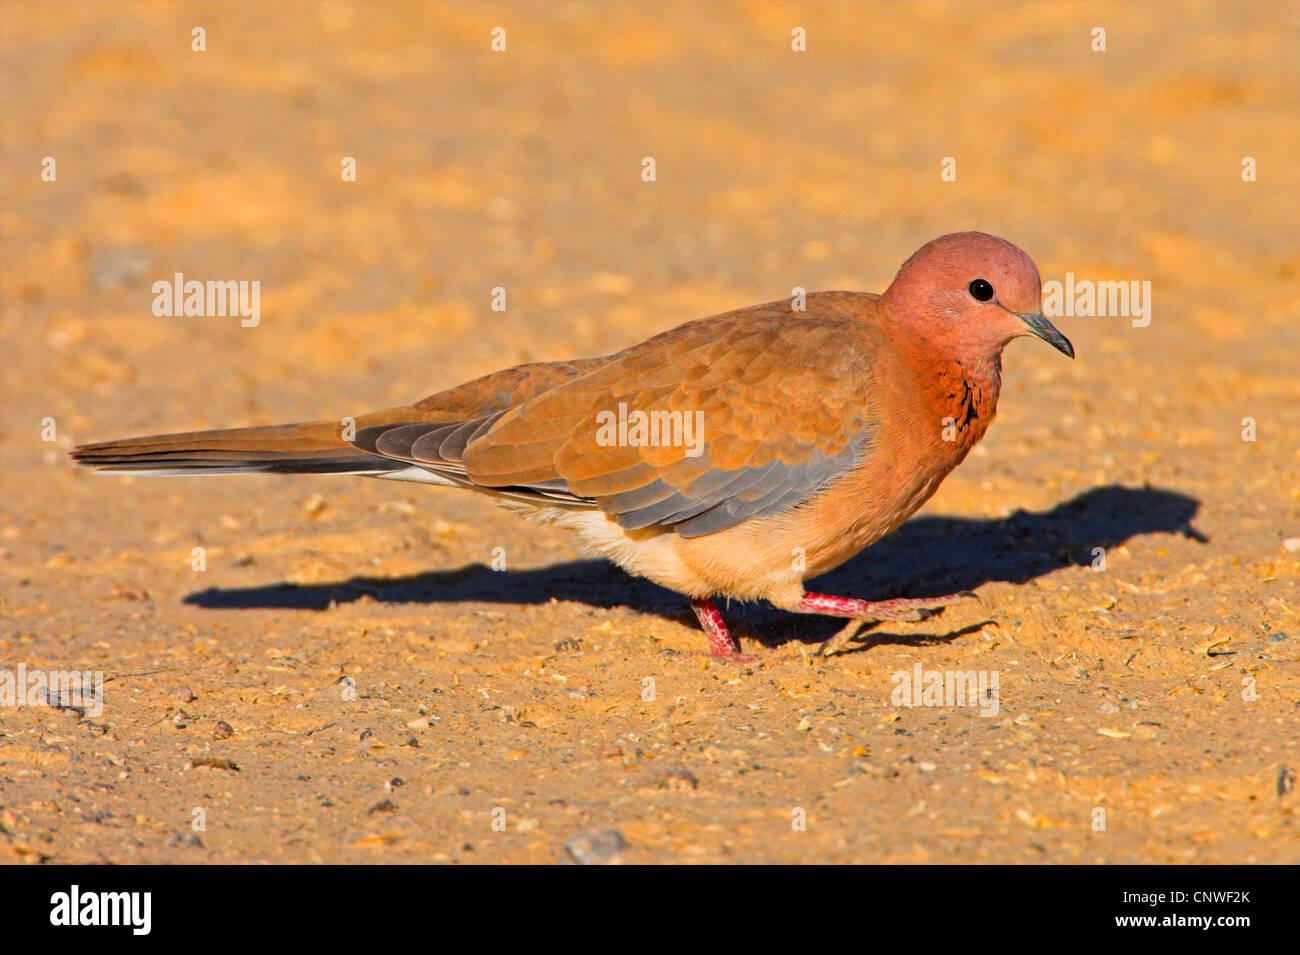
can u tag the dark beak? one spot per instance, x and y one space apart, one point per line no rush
1045 330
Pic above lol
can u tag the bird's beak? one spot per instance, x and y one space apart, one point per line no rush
1045 330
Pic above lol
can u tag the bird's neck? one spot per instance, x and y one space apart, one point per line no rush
963 395
969 393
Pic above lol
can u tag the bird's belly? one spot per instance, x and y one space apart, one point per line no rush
651 553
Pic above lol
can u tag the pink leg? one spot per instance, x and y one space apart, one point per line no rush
902 608
721 644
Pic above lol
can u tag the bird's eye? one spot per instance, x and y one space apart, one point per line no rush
981 290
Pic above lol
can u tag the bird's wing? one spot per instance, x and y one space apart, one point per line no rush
755 412
501 390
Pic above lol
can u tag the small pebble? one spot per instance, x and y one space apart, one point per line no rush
119 268
222 730
211 762
604 847
675 778
876 771
190 839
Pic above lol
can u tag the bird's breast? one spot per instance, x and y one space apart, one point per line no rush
924 430
967 403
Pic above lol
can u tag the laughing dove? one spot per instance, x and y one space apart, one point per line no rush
732 456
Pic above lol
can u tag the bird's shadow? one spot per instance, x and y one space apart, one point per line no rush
927 556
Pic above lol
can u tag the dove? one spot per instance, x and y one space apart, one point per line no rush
733 457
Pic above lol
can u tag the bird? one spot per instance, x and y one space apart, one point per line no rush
734 456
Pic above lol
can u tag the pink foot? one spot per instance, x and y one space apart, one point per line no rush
722 646
901 608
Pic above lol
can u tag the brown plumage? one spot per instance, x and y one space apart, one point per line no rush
732 456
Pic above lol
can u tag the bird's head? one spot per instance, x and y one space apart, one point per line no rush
967 294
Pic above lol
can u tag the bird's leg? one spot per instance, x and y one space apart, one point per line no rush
862 611
900 608
722 646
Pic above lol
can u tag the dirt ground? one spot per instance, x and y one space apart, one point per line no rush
1148 708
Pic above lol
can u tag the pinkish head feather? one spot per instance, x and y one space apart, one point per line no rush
967 294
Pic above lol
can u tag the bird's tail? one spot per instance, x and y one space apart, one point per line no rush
318 447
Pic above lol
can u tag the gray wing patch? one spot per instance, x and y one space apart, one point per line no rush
448 442
424 442
721 499
439 447
655 503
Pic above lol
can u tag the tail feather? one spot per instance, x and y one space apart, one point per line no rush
313 448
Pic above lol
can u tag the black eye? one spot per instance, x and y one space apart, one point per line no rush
981 290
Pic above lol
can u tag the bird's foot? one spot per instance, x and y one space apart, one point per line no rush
722 645
842 638
860 612
901 608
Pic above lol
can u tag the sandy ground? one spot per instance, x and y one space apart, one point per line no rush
500 716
